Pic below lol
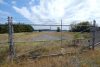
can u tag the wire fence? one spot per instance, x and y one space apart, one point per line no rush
45 41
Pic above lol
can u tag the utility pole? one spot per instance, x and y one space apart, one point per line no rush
93 35
11 43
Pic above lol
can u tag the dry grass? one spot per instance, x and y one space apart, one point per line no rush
85 59
26 51
3 38
88 59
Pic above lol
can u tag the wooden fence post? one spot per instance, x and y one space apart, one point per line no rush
11 43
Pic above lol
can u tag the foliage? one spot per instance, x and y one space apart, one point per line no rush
81 27
17 28
3 28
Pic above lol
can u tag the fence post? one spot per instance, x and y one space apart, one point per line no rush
61 32
11 43
93 35
50 27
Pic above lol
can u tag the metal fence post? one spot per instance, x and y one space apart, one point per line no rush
93 35
11 43
61 32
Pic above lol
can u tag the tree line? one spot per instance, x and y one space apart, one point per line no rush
84 26
17 28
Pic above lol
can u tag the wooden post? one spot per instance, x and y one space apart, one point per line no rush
89 44
11 43
93 35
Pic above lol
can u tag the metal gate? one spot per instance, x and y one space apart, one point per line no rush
48 43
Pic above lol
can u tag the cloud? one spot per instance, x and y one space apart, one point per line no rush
4 13
68 10
1 1
4 3
23 11
3 16
14 2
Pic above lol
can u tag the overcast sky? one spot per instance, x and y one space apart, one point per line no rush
50 11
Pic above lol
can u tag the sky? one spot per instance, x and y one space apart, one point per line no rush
50 11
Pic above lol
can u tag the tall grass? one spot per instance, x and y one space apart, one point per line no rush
4 52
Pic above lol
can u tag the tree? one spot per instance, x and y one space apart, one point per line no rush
58 29
3 28
81 27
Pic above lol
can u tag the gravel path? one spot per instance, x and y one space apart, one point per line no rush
48 37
